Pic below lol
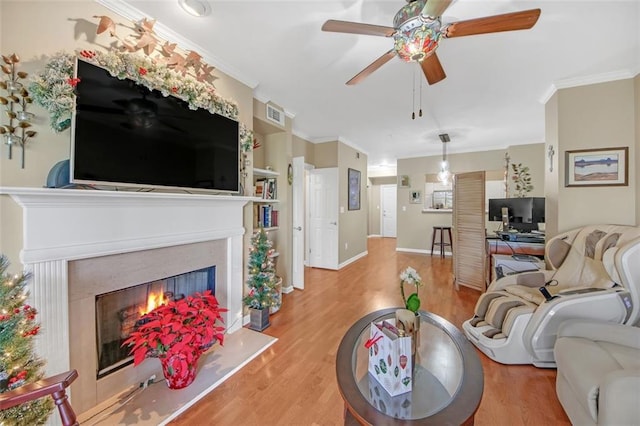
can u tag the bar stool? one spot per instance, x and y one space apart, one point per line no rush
441 242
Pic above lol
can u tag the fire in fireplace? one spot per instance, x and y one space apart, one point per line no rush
118 312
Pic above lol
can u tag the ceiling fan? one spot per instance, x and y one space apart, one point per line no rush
417 31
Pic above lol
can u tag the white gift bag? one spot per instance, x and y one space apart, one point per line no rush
390 358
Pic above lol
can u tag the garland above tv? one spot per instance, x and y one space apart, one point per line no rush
53 88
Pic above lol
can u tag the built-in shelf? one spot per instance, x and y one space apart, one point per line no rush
265 200
271 228
265 173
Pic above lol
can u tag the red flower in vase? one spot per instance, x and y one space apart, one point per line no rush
184 328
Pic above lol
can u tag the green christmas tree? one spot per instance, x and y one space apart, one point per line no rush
18 363
262 277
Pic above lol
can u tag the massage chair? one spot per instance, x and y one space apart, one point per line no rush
594 274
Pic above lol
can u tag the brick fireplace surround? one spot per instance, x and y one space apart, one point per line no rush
69 234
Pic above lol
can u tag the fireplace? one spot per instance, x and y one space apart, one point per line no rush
79 244
119 312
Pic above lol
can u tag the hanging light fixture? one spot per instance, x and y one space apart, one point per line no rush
444 174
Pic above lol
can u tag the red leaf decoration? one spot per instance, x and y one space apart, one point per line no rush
184 327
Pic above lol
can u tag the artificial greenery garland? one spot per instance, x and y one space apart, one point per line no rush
53 88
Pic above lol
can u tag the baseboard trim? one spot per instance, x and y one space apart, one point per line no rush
288 289
374 236
422 251
353 259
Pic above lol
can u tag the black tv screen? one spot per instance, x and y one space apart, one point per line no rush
524 213
127 135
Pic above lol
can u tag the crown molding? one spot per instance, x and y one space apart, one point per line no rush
127 11
587 80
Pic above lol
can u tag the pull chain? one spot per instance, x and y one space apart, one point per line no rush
413 99
420 112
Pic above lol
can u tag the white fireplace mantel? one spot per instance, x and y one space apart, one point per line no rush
60 225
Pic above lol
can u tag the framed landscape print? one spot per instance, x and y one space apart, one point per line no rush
597 167
354 189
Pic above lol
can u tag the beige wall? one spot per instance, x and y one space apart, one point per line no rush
325 154
415 227
352 239
303 148
596 116
35 31
551 174
636 114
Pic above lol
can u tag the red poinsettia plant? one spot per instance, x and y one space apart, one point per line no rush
186 328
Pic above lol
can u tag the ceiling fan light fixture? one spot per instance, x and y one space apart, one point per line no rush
417 35
196 8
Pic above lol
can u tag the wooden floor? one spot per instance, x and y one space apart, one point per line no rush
294 383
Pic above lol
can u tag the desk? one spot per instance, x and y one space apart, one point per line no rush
496 245
448 380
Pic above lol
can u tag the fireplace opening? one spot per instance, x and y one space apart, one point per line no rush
117 312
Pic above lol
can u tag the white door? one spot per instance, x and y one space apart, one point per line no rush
323 218
388 201
297 244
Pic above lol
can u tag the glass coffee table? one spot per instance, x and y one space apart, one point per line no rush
447 384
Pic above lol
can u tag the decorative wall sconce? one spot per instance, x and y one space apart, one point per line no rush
15 131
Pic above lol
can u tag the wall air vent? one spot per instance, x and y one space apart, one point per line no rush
276 115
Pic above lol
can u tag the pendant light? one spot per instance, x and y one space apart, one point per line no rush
444 174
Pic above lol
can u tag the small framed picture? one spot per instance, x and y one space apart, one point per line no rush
403 181
597 167
415 197
354 189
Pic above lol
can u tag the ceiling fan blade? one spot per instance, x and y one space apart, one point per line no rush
432 69
372 67
435 8
357 28
493 24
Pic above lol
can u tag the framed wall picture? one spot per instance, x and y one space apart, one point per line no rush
597 167
415 197
403 181
354 189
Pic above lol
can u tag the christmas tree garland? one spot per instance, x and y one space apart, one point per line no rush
53 88
18 363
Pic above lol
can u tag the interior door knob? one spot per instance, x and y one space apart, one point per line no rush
297 228
333 223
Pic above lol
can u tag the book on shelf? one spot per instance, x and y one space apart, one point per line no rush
269 192
264 216
259 188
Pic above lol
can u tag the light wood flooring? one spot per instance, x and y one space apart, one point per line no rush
294 382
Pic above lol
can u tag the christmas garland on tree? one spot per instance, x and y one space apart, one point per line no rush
18 363
53 88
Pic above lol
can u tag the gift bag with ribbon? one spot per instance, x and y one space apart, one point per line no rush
390 357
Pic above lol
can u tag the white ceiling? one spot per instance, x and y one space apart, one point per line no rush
493 95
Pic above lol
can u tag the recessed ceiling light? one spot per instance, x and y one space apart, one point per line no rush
195 7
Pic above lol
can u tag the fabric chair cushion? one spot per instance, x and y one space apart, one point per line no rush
529 294
586 362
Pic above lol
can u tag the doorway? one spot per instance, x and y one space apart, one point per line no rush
388 212
323 218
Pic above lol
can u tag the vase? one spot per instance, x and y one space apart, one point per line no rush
178 372
259 319
409 322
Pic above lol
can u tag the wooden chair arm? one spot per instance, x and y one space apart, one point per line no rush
55 386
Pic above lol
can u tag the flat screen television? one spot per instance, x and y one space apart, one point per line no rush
524 214
124 134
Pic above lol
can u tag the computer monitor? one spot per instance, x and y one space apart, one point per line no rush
524 213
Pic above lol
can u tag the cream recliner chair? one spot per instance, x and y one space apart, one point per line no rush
595 274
